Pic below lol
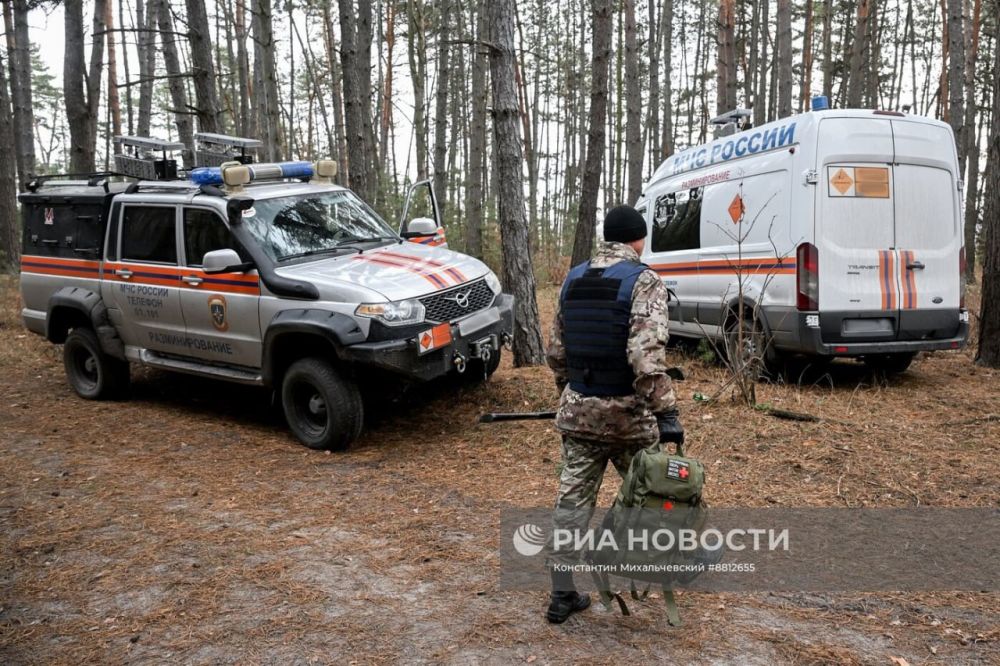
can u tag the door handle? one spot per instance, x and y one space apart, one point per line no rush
916 265
123 273
192 280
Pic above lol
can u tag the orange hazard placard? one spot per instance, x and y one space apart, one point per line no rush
434 338
842 181
736 209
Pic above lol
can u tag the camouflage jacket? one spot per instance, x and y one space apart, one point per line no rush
629 418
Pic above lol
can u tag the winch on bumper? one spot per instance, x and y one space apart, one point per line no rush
477 336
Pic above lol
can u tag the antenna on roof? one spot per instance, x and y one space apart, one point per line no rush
142 163
731 122
216 149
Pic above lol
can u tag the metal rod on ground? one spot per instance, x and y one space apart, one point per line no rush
516 416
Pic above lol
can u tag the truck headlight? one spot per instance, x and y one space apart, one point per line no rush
398 313
493 282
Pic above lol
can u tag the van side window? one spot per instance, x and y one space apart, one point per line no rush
677 221
204 231
149 233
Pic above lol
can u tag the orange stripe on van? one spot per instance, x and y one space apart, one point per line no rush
887 279
909 281
763 265
881 280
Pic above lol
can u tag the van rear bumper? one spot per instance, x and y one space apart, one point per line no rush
811 332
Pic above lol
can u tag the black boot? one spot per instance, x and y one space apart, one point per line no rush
565 600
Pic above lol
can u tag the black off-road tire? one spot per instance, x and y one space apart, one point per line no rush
93 374
322 407
890 364
766 362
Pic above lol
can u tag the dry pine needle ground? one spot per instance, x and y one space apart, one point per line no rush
187 525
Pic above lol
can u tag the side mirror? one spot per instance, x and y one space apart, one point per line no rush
420 226
223 261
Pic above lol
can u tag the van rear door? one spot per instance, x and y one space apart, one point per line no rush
855 231
928 230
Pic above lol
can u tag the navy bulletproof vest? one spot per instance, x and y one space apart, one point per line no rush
596 305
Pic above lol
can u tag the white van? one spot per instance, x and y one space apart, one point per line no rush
843 227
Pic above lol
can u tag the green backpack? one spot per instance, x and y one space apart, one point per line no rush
661 491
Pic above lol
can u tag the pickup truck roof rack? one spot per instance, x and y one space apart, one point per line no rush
216 149
142 164
731 122
96 179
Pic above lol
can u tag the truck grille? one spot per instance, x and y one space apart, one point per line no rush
458 302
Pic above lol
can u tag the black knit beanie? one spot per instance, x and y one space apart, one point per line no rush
624 224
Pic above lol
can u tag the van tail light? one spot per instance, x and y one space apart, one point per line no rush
807 277
961 277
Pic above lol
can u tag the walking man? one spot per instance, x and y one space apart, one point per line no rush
608 354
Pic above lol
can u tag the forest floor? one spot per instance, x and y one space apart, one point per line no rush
186 524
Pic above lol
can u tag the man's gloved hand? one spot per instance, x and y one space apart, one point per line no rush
670 428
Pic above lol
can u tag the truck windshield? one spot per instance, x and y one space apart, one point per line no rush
292 227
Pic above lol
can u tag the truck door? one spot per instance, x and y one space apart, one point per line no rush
220 309
855 231
143 279
928 230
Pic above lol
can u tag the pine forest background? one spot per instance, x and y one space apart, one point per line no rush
399 91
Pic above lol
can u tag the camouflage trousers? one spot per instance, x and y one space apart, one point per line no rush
584 464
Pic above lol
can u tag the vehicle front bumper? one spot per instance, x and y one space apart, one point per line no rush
470 338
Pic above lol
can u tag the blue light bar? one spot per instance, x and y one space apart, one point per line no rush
272 171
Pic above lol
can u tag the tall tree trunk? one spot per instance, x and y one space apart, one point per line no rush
363 63
266 84
475 185
653 56
178 95
514 232
859 55
82 88
784 58
586 221
10 221
441 106
130 112
807 58
202 67
336 95
417 51
633 107
114 103
956 79
243 69
972 144
355 54
760 98
146 46
828 49
385 119
988 353
667 23
726 58
19 61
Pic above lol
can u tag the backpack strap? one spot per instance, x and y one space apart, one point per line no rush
673 614
603 585
635 592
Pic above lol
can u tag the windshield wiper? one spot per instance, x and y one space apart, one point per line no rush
310 253
373 239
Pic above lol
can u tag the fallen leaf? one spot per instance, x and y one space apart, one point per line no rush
899 661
